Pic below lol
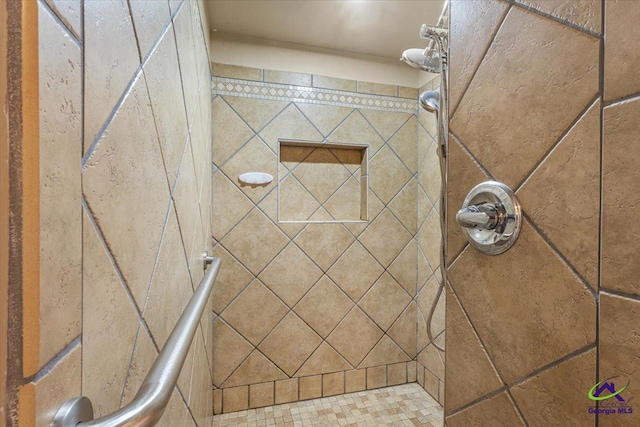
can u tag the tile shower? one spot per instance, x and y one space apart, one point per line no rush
544 97
339 300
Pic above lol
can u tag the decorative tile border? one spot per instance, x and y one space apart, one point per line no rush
311 95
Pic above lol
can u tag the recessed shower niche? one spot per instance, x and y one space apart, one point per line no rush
322 182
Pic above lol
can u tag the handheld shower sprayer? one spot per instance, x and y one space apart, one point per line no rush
433 59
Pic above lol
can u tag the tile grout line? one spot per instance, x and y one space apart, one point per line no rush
59 19
128 373
560 255
572 354
621 100
90 151
621 294
467 85
521 380
113 262
516 407
558 20
484 348
557 143
83 221
55 361
475 160
601 89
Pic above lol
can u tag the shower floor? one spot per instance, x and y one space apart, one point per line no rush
404 405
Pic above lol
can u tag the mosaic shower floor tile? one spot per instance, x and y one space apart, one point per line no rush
404 405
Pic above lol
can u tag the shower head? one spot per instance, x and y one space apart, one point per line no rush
430 101
417 59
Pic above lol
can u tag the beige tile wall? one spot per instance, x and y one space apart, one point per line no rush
620 292
125 149
548 104
311 310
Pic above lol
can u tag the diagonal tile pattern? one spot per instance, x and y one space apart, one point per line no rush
549 151
543 105
329 291
561 390
290 284
255 231
384 184
290 344
323 306
325 118
498 410
252 323
536 275
396 237
125 142
355 336
324 242
385 301
475 375
476 21
566 185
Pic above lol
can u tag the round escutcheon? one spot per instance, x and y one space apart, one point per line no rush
490 217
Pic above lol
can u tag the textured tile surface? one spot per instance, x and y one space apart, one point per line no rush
476 21
586 14
620 199
561 389
60 93
470 372
619 341
543 105
537 276
108 314
98 266
53 389
530 118
120 175
620 59
108 39
567 184
498 410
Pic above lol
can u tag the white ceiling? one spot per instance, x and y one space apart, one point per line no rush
382 28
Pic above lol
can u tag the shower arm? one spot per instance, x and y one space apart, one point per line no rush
149 403
440 24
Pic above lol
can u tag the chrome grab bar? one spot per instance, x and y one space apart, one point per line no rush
152 397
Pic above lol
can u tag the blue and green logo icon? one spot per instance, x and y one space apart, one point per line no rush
608 398
608 386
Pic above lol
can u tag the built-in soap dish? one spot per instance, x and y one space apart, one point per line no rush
255 179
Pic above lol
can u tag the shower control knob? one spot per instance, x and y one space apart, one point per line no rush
491 217
479 216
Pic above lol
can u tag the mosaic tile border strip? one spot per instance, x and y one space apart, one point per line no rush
297 389
311 95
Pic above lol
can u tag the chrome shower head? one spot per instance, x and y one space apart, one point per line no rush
430 101
417 59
